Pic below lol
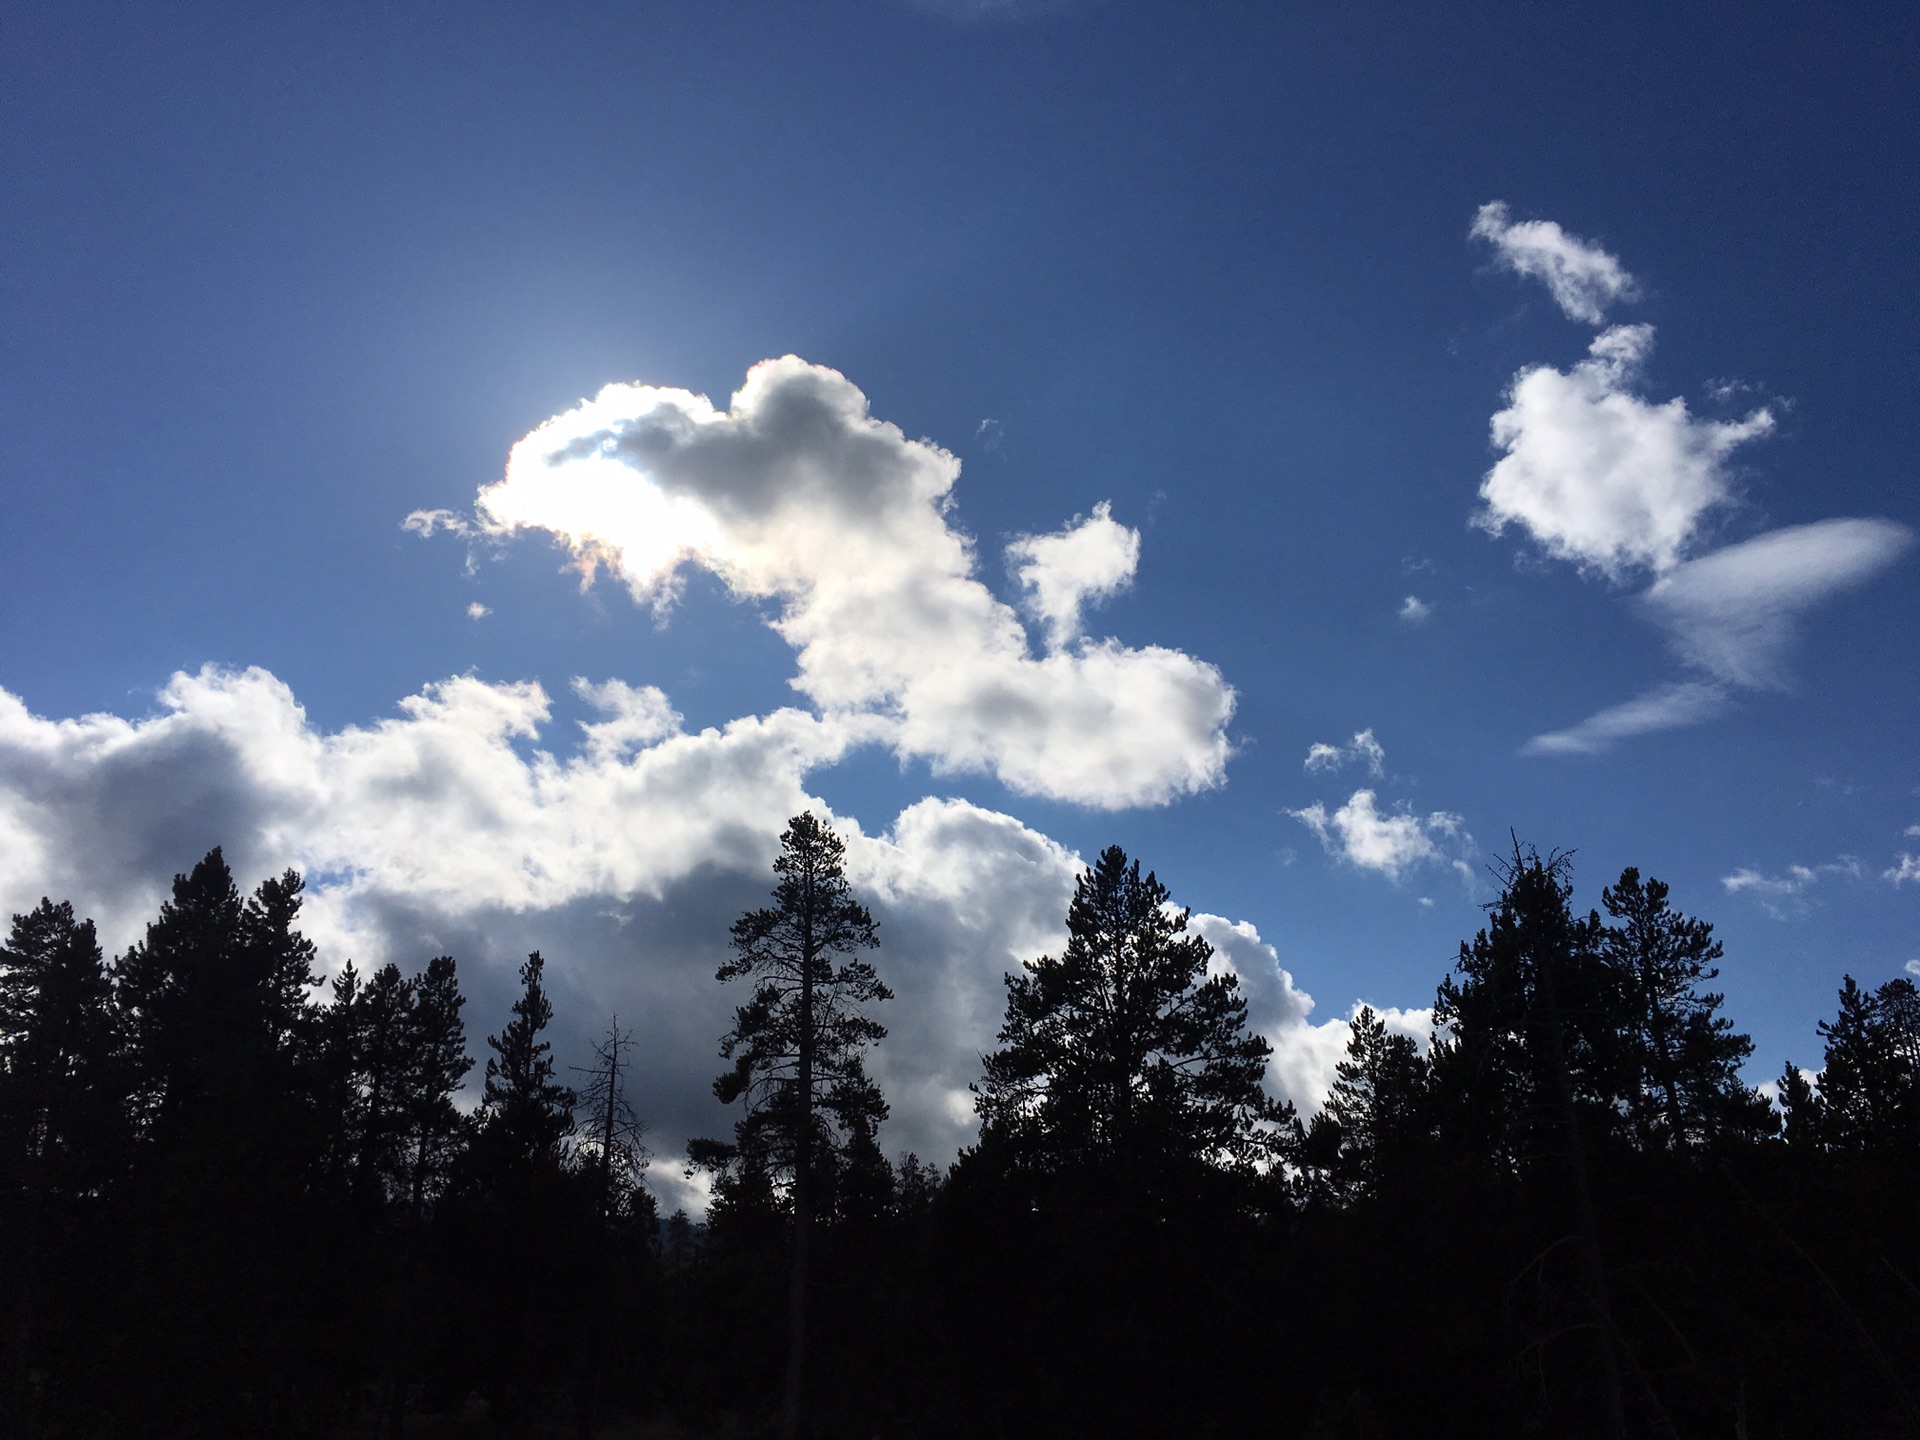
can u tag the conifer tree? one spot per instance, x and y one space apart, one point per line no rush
1867 1095
798 1048
436 1129
1679 1058
526 1115
60 1110
1122 1061
1378 1101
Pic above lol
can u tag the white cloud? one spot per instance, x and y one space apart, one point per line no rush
1062 573
1784 896
622 852
796 494
1324 759
1390 843
1732 613
1599 476
477 611
1665 707
1913 967
1907 869
1583 278
1304 1054
1414 610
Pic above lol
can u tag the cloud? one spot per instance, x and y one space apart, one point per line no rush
1061 573
1598 475
1784 896
470 823
1906 869
1324 759
477 611
1414 610
1583 278
1392 844
797 495
1665 707
1304 1054
1733 613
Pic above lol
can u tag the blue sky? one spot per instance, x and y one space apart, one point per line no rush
276 279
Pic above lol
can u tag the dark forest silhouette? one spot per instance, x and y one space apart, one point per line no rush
234 1205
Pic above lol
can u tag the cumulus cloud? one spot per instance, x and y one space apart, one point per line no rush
1784 896
1390 843
449 828
1665 707
1583 278
1600 476
1062 573
1906 869
1414 610
1363 749
469 823
477 611
1733 613
796 494
1304 1054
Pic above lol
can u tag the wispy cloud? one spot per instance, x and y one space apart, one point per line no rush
1583 278
1784 896
1324 759
1666 707
1601 476
1733 613
1414 610
1905 870
477 611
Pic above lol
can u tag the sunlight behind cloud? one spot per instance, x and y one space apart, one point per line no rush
796 494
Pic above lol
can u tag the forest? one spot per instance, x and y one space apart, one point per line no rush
238 1200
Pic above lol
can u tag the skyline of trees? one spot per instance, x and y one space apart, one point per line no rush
241 1201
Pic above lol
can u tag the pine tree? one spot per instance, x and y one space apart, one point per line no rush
436 1130
1680 1059
798 1046
1379 1102
526 1116
61 1119
1122 1062
1524 1062
1869 1088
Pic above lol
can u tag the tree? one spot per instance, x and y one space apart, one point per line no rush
436 1129
798 1048
1122 1061
526 1116
1867 1095
1680 1060
60 1103
615 1149
1379 1103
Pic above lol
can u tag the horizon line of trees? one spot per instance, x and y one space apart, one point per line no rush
235 1205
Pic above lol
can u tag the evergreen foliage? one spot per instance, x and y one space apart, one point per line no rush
230 1206
1122 1061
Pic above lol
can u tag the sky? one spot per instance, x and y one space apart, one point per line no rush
504 460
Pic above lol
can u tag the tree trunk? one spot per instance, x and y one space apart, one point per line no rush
1583 1206
791 1410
